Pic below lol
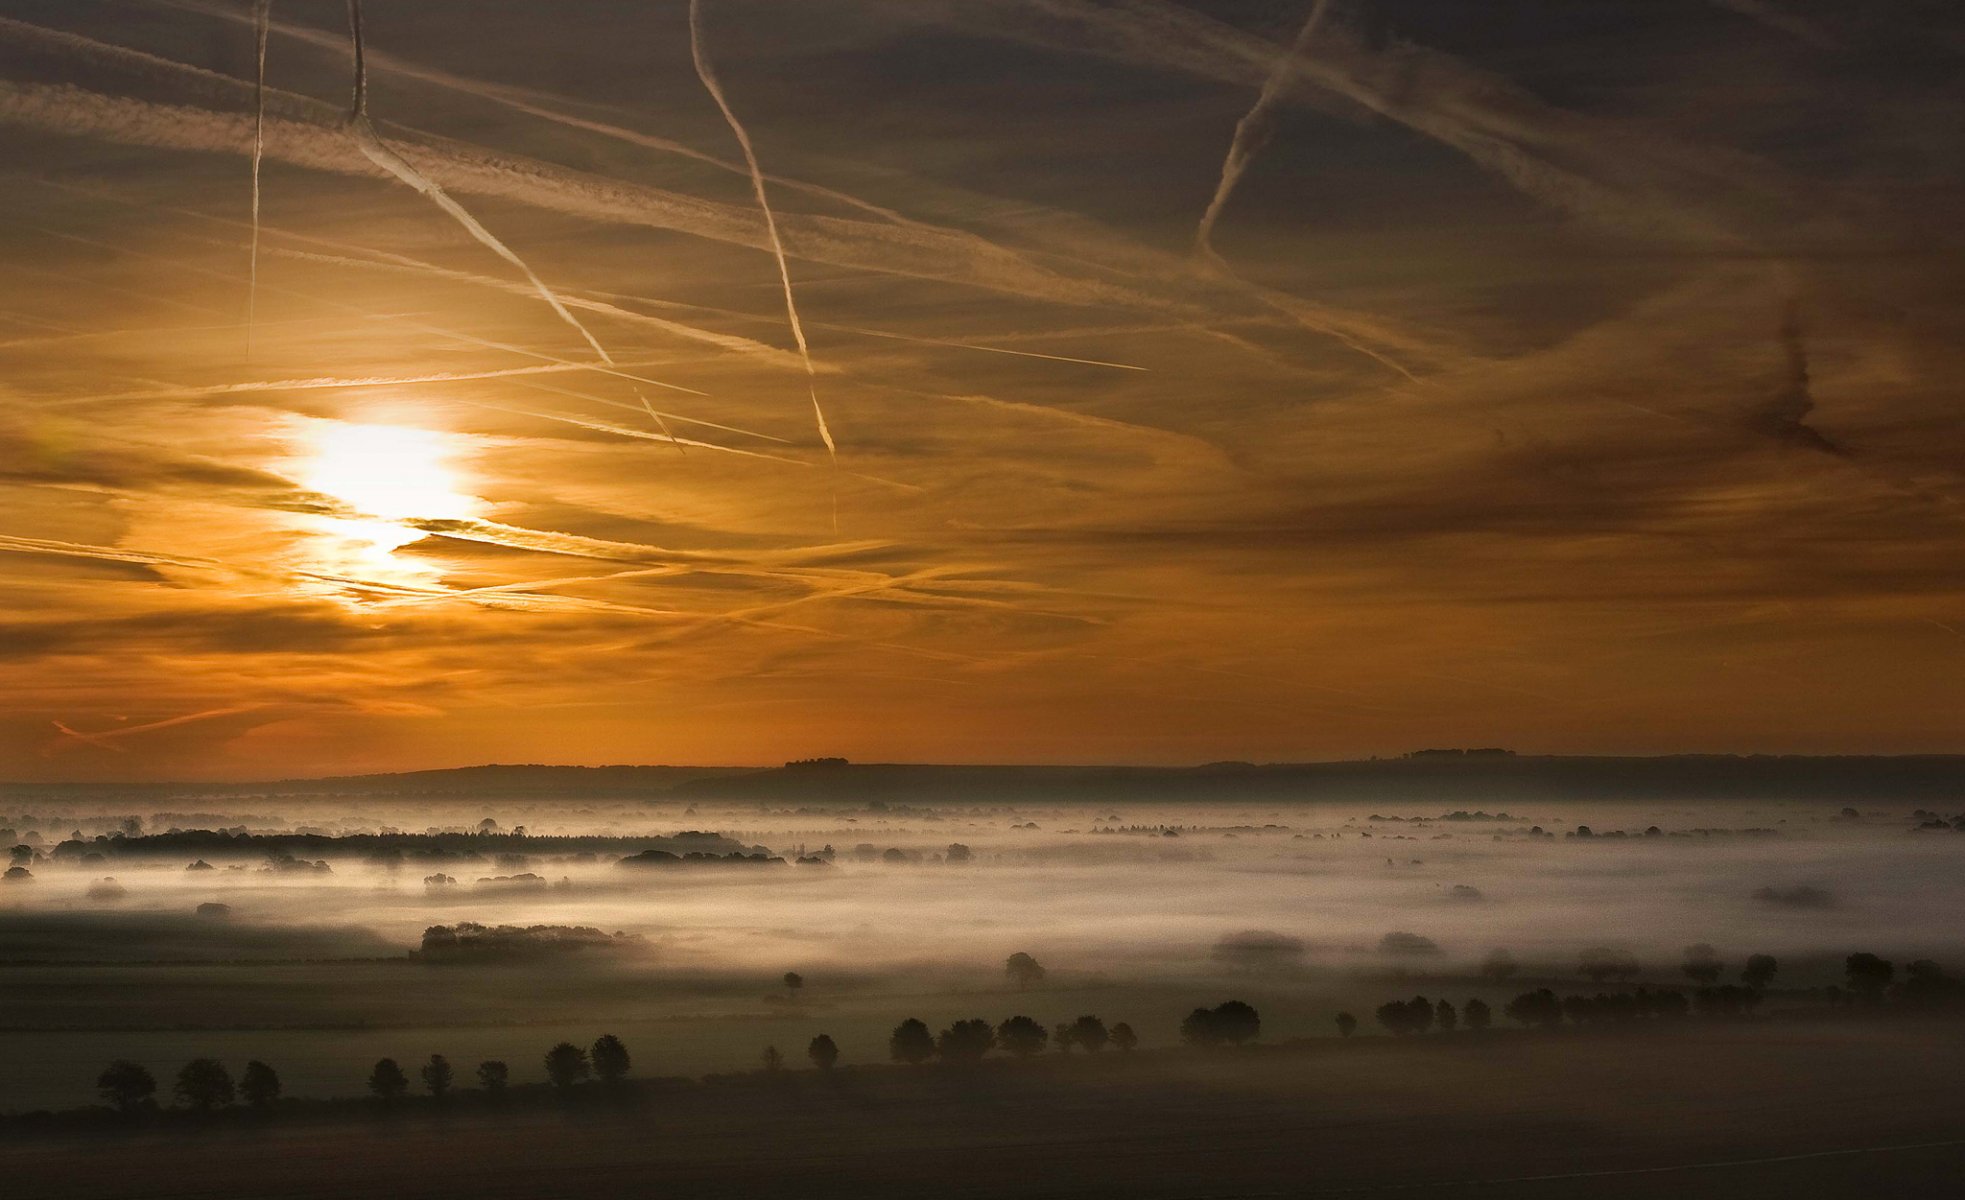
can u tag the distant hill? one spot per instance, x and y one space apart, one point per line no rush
1937 781
1495 778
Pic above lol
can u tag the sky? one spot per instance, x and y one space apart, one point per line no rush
1159 382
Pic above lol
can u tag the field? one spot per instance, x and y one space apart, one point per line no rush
1794 1109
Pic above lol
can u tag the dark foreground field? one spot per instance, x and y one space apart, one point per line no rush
1776 1109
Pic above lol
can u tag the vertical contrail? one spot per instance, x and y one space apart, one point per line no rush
1254 129
377 152
708 75
262 11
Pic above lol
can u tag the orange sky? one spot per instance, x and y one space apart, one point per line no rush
1572 381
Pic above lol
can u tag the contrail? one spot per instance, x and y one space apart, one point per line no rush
1253 131
708 75
104 740
262 11
377 152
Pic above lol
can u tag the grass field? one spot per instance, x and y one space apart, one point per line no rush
1776 1108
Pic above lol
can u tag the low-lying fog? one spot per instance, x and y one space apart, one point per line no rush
1303 911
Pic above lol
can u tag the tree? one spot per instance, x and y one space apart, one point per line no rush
1477 1015
1759 971
1022 1036
610 1058
1539 1007
204 1084
387 1081
911 1042
126 1086
1868 975
1499 965
1023 970
965 1041
1061 1039
794 981
1090 1033
259 1084
1124 1038
1232 1022
774 1060
823 1052
437 1075
1419 1010
1237 1022
492 1077
1346 1024
1392 1015
1445 1017
1702 964
566 1065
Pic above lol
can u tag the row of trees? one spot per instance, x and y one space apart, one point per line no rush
203 1084
967 1041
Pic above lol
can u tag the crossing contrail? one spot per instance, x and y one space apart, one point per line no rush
708 75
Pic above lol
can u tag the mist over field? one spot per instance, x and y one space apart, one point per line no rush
1137 912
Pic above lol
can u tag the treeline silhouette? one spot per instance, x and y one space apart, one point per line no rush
203 1087
1871 981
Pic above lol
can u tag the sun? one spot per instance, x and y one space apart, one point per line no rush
387 476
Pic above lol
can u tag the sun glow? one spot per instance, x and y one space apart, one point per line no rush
387 476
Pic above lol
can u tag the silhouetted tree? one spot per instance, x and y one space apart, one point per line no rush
1477 1015
1868 975
1124 1038
1231 1022
1702 963
259 1084
1927 986
1061 1039
1445 1017
1023 970
1022 1036
610 1059
911 1042
1539 1007
794 981
1346 1024
1759 971
1090 1033
492 1076
1419 1010
126 1086
774 1060
965 1041
1499 965
204 1084
387 1081
822 1052
437 1075
566 1065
